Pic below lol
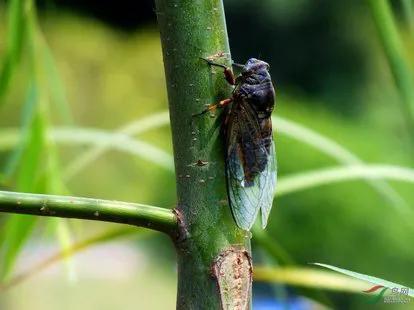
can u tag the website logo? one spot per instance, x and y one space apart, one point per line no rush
396 295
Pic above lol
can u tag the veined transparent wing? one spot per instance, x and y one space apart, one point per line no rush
250 166
268 182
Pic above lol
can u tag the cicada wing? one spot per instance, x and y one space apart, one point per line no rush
268 181
244 201
246 161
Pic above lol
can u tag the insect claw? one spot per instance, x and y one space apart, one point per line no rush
237 65
201 113
210 108
212 63
208 61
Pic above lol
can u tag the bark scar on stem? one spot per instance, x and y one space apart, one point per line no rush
233 272
182 233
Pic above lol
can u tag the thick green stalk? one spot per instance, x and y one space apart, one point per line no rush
211 249
89 209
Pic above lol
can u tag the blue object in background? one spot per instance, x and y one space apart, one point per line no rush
275 296
291 303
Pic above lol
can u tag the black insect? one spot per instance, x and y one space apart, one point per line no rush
250 151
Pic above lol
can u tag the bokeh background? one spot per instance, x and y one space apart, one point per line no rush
82 80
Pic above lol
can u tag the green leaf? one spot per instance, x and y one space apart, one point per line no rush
34 162
27 117
28 174
15 40
24 162
393 47
57 91
370 279
14 233
18 227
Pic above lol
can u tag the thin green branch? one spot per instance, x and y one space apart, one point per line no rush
96 138
135 214
301 181
138 126
119 141
309 277
333 149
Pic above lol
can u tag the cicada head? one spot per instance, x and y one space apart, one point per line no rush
255 71
254 65
256 86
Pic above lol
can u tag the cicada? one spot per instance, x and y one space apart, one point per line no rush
250 151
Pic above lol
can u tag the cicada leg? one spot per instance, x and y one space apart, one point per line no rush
228 73
213 107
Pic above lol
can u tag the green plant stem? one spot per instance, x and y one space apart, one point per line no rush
309 278
190 30
309 179
89 209
394 51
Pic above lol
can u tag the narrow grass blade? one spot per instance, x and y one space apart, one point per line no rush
370 279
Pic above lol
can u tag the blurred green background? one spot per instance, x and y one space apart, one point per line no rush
74 73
